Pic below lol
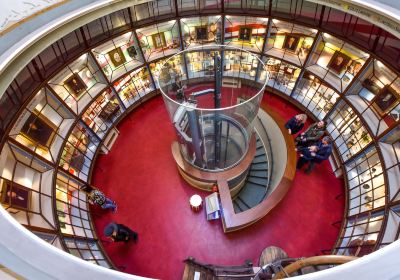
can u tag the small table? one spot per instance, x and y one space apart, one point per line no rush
195 202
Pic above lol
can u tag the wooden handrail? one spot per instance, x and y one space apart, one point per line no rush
233 221
317 260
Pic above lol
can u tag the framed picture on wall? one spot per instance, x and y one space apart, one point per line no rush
39 130
15 195
201 33
386 100
117 57
291 42
245 33
159 40
338 62
132 51
75 85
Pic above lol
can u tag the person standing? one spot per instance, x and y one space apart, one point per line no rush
98 198
119 232
315 154
309 137
296 123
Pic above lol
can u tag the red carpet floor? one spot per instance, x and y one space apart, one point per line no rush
140 174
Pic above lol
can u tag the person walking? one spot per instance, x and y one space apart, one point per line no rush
296 123
309 137
120 233
315 154
96 197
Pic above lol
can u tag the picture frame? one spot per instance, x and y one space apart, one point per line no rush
159 40
339 62
291 42
201 33
75 85
14 195
117 57
131 51
386 100
39 130
245 33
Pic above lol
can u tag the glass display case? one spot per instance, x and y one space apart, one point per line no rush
26 188
360 234
200 63
366 182
118 56
245 32
240 64
43 125
103 112
389 146
159 40
71 203
376 96
79 151
175 68
279 74
290 42
197 31
79 83
336 62
88 250
392 230
134 86
152 10
349 134
315 95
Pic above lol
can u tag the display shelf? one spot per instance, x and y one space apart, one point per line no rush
390 148
175 69
376 95
360 234
118 56
159 40
71 204
245 32
240 64
336 62
26 187
102 113
315 95
290 42
134 86
43 125
347 131
366 182
200 31
78 83
279 74
392 226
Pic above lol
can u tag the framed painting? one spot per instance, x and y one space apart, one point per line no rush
75 85
201 33
131 51
245 33
39 130
339 62
386 100
15 195
117 57
159 40
291 42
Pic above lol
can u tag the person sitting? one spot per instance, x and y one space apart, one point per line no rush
315 154
296 123
98 198
119 232
309 137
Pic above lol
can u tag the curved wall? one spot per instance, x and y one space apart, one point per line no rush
79 116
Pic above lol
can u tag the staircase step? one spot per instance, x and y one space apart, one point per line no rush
259 166
258 181
252 194
260 152
258 173
259 159
241 206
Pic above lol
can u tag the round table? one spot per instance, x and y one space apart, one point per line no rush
195 202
